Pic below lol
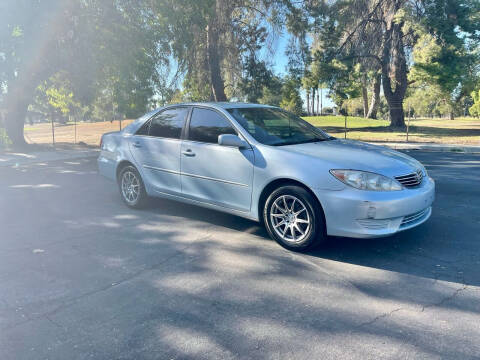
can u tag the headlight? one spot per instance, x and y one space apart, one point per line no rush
366 180
425 173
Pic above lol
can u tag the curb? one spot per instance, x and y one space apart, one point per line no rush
468 149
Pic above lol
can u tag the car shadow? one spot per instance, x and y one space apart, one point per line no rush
159 276
443 248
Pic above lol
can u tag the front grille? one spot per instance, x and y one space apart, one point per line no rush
411 180
374 224
413 218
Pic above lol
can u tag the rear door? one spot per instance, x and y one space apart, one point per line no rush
156 149
212 173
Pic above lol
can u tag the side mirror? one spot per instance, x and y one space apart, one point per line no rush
232 140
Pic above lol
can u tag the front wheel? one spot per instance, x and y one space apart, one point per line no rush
132 188
294 218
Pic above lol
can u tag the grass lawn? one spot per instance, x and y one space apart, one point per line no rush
459 131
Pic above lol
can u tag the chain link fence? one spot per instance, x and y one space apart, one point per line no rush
71 132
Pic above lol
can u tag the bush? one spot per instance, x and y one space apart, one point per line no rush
4 140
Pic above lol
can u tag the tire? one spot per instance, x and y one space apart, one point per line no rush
296 224
134 196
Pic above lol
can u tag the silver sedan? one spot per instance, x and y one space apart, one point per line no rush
268 165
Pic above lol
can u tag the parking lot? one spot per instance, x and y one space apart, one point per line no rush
82 276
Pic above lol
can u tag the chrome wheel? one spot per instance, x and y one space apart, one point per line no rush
130 186
290 218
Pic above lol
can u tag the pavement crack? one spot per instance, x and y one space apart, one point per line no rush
441 302
54 322
379 317
445 299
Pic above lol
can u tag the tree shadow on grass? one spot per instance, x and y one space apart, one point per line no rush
425 131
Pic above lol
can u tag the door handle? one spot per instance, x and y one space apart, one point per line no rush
188 152
137 144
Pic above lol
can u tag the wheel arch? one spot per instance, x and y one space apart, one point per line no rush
121 165
275 184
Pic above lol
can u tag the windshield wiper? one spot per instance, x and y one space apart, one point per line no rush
300 142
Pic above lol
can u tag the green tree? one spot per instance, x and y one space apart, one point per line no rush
475 108
94 42
36 38
54 98
446 51
384 32
272 92
209 40
257 76
291 99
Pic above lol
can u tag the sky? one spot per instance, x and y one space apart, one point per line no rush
279 62
275 55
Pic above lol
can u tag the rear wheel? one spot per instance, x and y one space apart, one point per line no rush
294 218
132 188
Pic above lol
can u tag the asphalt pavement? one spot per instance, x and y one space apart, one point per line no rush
84 277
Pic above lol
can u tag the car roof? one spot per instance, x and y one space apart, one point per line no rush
223 105
216 105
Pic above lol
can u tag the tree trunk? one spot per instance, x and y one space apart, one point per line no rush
21 91
14 121
394 72
397 115
308 103
321 102
17 100
313 101
372 111
364 95
318 101
218 86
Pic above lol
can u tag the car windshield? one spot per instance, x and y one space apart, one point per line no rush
276 127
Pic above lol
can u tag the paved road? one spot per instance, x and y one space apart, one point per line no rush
82 277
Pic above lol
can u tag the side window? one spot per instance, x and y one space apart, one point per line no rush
144 129
206 125
169 123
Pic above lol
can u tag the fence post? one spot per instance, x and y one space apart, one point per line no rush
53 133
75 127
321 102
408 121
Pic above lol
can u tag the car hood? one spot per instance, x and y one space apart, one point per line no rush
356 155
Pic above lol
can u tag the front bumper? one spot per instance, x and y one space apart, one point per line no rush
363 214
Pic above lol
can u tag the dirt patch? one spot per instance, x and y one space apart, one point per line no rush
86 132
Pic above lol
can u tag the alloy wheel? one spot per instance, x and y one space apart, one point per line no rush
290 219
130 186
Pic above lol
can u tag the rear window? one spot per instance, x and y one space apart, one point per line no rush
167 124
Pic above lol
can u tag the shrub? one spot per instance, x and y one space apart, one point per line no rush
475 108
4 140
